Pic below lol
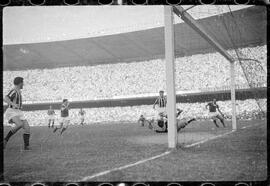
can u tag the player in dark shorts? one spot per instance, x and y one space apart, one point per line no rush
14 113
214 115
82 115
64 123
161 125
51 115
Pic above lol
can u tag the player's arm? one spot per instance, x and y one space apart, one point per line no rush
8 98
206 106
155 103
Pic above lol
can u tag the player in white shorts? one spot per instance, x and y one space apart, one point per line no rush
82 115
215 113
14 113
64 121
51 117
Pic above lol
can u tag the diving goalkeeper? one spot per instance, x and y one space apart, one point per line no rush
161 124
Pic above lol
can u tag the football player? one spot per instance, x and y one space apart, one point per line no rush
214 115
65 121
51 115
161 124
82 114
14 113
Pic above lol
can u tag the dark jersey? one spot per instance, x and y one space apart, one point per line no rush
64 111
82 113
162 126
161 101
212 107
141 119
51 112
15 97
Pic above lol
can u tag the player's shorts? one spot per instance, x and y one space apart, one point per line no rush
11 113
81 117
213 115
65 121
160 110
51 117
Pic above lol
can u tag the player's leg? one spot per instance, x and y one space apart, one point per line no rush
49 123
183 123
19 125
82 120
60 126
52 123
149 123
221 119
65 126
215 121
26 134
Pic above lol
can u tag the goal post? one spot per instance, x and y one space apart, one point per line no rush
188 19
170 76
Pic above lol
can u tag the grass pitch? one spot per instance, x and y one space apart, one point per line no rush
83 151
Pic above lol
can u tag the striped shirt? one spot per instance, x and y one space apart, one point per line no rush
64 111
15 96
161 101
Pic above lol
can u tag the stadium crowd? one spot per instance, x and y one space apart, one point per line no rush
197 72
246 109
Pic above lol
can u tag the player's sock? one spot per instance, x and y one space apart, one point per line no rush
55 129
216 123
53 124
63 129
10 133
49 125
26 138
222 121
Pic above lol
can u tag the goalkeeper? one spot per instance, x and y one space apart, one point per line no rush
161 124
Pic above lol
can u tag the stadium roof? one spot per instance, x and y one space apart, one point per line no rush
245 27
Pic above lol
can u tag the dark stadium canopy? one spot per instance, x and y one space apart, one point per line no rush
244 27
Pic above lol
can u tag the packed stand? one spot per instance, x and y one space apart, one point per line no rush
246 110
200 72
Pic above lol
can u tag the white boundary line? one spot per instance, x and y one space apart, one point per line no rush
208 139
125 166
161 155
221 135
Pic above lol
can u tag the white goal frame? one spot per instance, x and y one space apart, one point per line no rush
170 66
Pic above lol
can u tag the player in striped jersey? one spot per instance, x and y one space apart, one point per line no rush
64 117
82 114
161 103
51 115
14 113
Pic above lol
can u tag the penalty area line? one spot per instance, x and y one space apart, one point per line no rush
125 166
